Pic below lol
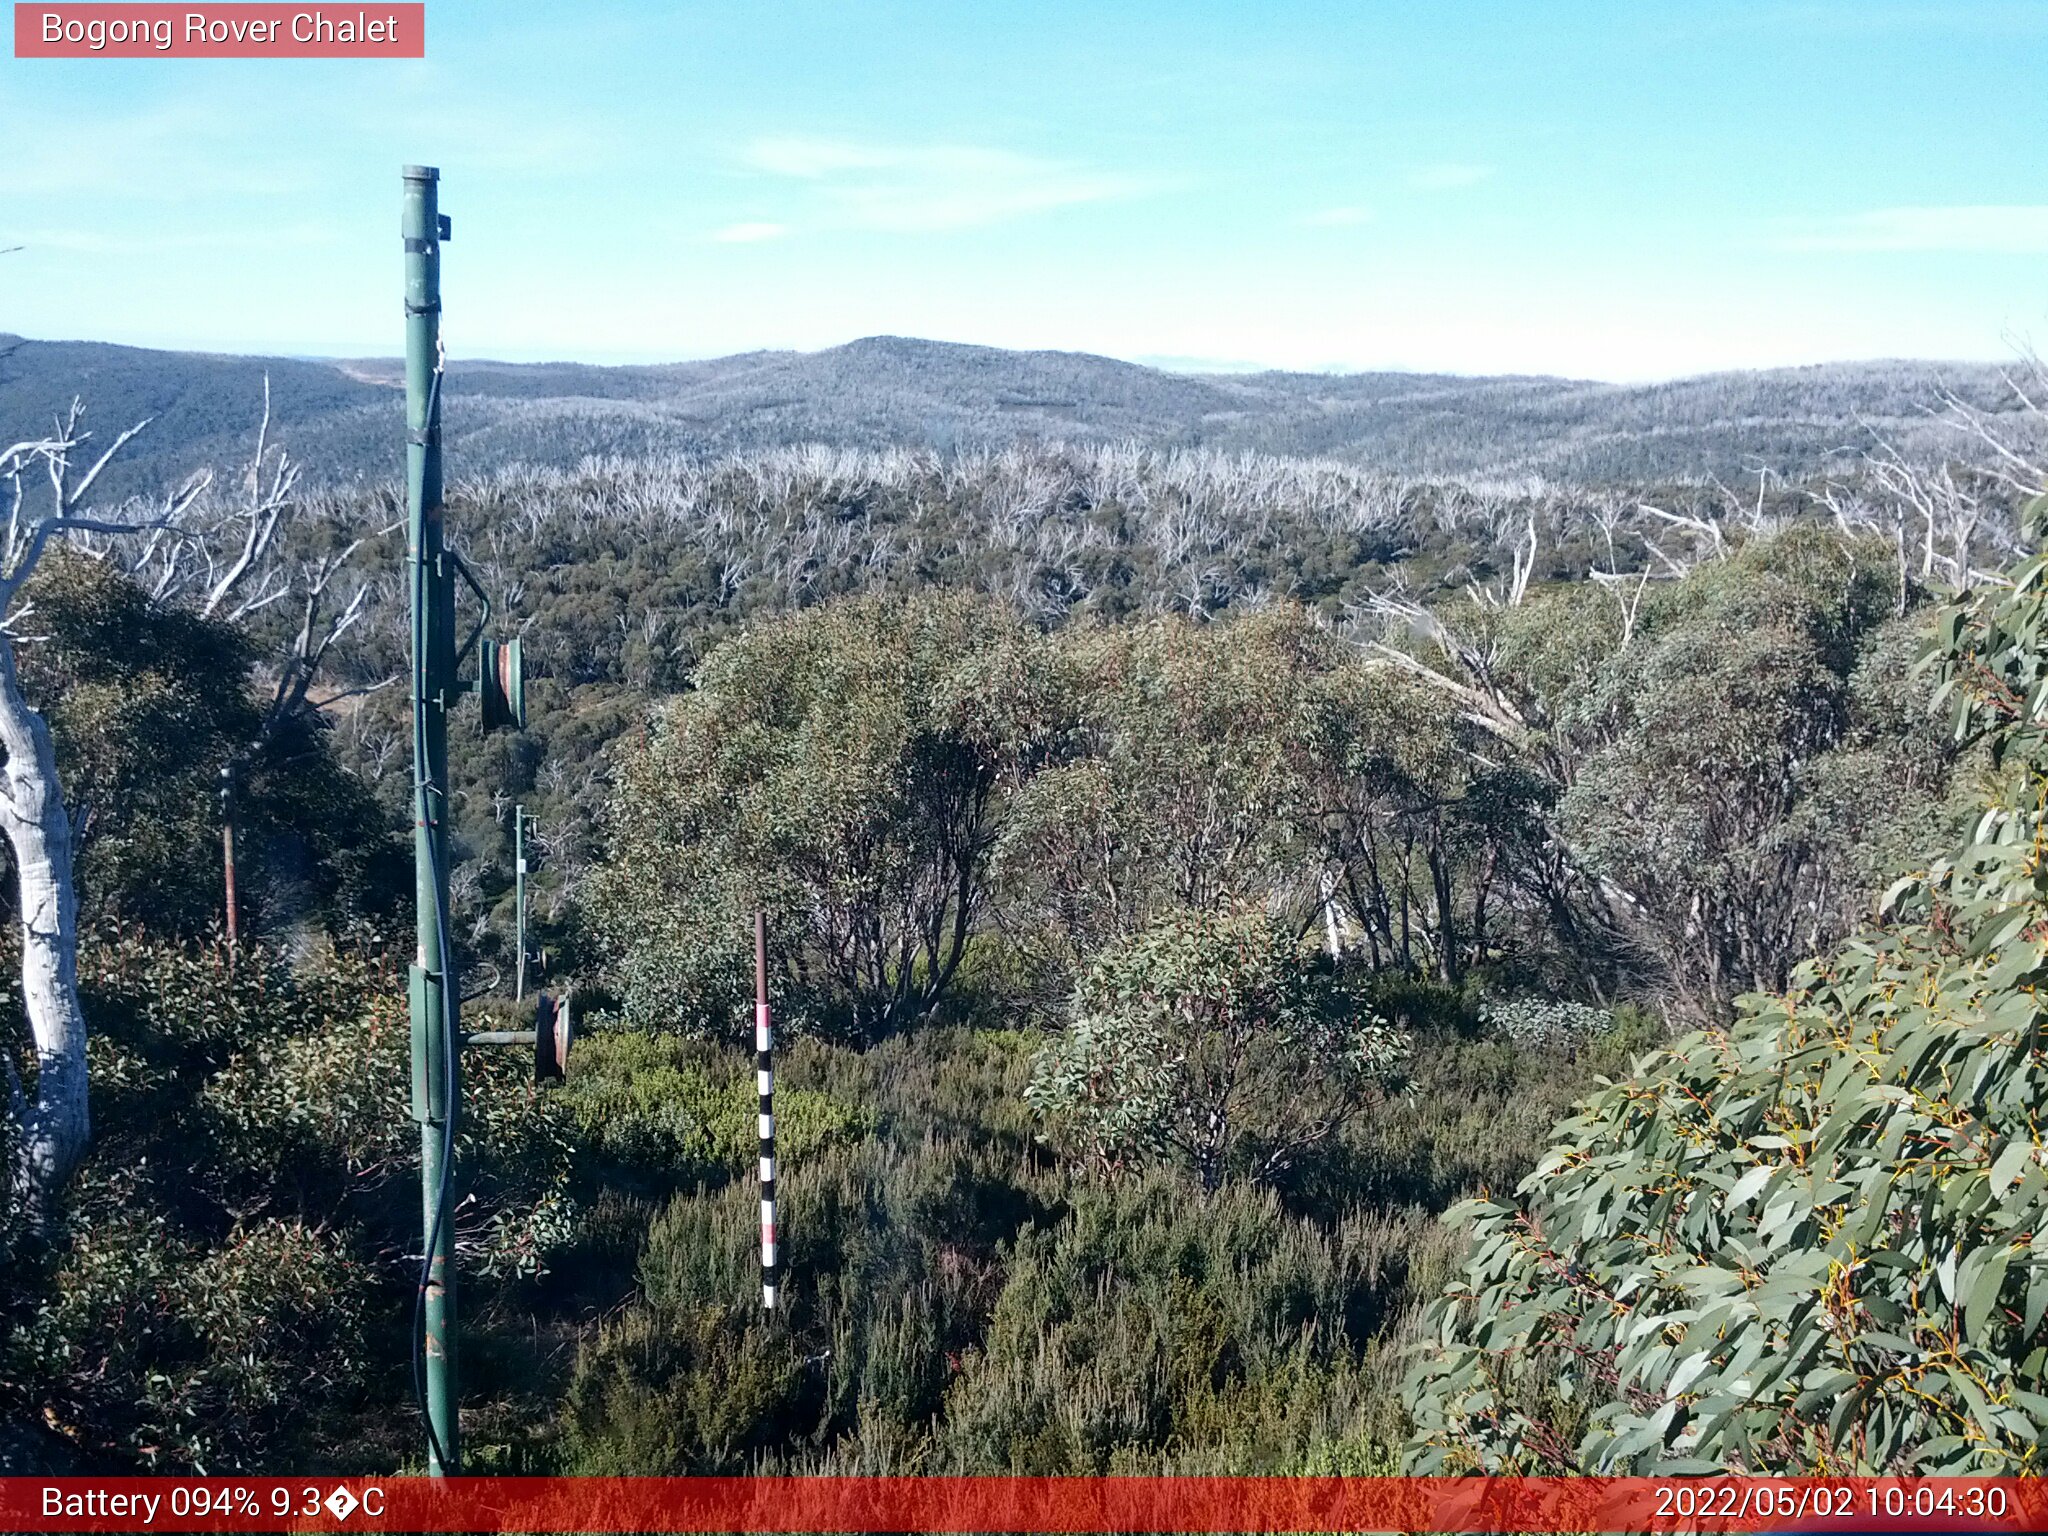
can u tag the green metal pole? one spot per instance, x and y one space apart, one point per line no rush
436 1088
519 895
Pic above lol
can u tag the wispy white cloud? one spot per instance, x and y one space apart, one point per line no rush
932 187
169 152
196 143
1446 178
1337 218
750 233
2013 229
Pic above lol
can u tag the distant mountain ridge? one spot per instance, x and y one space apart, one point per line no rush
340 417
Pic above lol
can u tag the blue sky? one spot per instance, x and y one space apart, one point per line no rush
1628 190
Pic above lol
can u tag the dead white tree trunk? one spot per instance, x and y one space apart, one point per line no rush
1335 925
226 562
52 1121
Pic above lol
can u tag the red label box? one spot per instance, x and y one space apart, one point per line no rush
1675 1506
372 30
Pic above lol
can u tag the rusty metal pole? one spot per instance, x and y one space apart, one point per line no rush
227 852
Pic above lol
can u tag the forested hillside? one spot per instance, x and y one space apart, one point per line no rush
1188 874
888 391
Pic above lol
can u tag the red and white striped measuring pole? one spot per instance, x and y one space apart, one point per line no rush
764 1077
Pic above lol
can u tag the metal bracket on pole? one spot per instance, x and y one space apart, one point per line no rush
461 567
550 1037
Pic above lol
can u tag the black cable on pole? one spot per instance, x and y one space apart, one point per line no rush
450 1042
449 1045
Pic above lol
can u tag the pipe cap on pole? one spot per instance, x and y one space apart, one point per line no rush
553 1027
501 686
422 173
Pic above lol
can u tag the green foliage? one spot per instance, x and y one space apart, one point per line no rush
844 770
1178 787
1212 1037
1532 1021
675 1112
1811 1240
1177 770
224 1288
1987 657
1684 810
698 1380
1153 1332
1731 768
953 816
172 1353
1223 763
1479 1112
145 705
700 1389
626 576
952 1303
1427 827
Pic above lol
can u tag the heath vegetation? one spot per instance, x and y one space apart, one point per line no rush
1191 874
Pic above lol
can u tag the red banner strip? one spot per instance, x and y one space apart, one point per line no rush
1022 1504
373 30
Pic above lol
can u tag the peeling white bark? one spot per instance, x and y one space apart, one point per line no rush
55 1124
52 1122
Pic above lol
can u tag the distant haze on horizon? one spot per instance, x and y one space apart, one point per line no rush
1586 190
1196 366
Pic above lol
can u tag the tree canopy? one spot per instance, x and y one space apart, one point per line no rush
1814 1238
147 703
1211 1038
843 770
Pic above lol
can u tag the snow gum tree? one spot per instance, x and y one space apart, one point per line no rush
1815 1238
846 769
51 1118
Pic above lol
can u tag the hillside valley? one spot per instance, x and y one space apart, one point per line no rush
340 417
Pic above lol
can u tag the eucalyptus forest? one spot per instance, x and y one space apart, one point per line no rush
1284 965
